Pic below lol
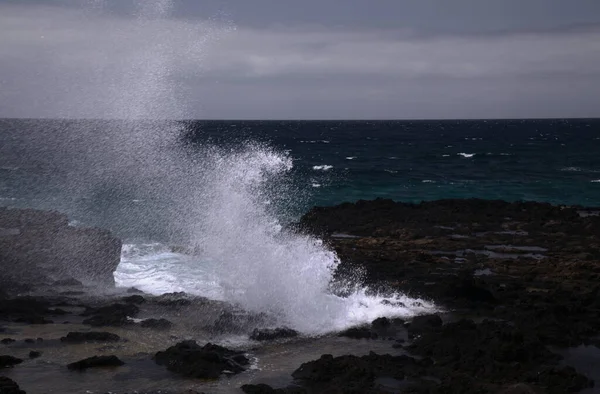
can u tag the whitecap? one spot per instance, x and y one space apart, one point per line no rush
350 157
595 181
323 167
445 155
466 154
390 171
428 181
316 185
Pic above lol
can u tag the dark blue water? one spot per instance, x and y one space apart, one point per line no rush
77 167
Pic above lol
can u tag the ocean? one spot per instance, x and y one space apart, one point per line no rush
97 171
202 206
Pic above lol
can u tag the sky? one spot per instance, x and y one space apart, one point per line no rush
309 59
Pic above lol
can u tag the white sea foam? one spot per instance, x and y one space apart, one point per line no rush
323 167
428 181
350 157
229 203
595 181
466 154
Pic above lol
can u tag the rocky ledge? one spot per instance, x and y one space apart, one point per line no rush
41 248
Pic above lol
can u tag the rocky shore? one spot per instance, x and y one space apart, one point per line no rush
518 283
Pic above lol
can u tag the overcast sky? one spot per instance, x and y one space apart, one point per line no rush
309 59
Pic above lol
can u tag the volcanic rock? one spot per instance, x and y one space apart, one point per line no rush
8 386
111 315
271 334
92 336
9 361
96 362
39 247
203 362
358 333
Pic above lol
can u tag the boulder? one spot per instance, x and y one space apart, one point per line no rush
8 386
9 361
189 359
111 315
96 362
40 248
92 336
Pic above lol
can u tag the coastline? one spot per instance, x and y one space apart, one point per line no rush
519 282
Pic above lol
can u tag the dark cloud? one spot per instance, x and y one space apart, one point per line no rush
310 59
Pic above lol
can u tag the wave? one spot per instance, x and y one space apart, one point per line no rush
350 157
595 181
466 154
428 181
323 167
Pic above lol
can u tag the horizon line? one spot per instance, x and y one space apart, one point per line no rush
299 119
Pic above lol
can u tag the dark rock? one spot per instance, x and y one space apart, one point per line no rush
424 323
93 336
39 247
271 334
35 354
266 389
133 290
134 299
173 299
8 386
29 340
96 362
25 310
381 322
9 361
7 341
207 362
353 374
111 315
157 324
358 333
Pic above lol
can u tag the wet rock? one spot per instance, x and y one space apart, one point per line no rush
8 386
96 362
157 324
381 322
9 361
7 341
424 323
29 340
25 310
561 379
266 389
358 333
92 336
271 334
133 290
35 354
177 299
111 315
203 362
353 374
134 299
40 248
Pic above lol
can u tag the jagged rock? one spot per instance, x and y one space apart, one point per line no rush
93 336
381 322
39 247
271 334
9 361
173 299
96 362
157 324
8 386
358 333
424 323
203 362
25 310
35 354
111 315
134 299
7 341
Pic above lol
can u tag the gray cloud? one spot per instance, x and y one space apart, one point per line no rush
294 62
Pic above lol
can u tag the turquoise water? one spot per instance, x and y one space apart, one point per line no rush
97 172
